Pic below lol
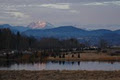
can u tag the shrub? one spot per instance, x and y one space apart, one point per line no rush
59 56
63 56
72 55
78 55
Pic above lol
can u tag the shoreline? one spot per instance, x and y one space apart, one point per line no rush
84 57
63 59
87 57
97 60
59 75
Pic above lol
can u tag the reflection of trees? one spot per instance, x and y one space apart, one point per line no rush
78 62
6 63
63 62
60 62
72 63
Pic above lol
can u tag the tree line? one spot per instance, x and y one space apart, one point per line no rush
9 40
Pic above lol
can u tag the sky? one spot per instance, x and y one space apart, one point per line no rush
87 14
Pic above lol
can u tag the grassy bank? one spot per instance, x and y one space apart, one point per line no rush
59 75
69 57
87 57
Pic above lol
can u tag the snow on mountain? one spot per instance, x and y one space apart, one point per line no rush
40 25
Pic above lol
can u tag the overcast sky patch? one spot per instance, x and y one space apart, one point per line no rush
61 12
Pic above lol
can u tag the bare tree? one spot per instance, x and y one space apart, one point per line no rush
103 44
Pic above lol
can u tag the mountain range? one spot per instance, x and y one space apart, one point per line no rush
14 28
65 32
33 25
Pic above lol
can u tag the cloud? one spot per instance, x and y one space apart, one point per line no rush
2 22
10 9
94 4
57 6
74 11
60 12
17 14
103 3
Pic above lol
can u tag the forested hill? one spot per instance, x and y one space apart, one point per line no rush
67 32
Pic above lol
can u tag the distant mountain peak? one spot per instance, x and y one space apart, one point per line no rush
5 25
69 28
40 25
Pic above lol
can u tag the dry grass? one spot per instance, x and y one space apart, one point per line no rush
59 75
88 57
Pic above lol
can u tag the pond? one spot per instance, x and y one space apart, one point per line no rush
62 65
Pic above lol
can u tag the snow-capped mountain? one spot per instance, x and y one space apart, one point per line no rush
40 25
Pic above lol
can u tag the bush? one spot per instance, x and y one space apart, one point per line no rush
54 56
104 51
59 56
72 55
63 56
78 55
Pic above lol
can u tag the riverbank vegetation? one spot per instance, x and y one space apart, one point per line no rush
59 75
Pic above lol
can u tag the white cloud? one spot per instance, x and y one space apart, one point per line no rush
18 14
57 6
113 2
10 9
103 3
74 11
94 4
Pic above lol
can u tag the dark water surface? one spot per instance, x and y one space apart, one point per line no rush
62 65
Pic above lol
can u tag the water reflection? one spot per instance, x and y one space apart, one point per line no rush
72 63
60 62
6 63
59 65
63 62
78 62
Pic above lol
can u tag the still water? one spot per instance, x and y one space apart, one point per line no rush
63 65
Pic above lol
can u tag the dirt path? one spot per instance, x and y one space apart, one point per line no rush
59 75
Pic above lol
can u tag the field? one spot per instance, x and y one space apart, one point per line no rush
59 75
88 56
